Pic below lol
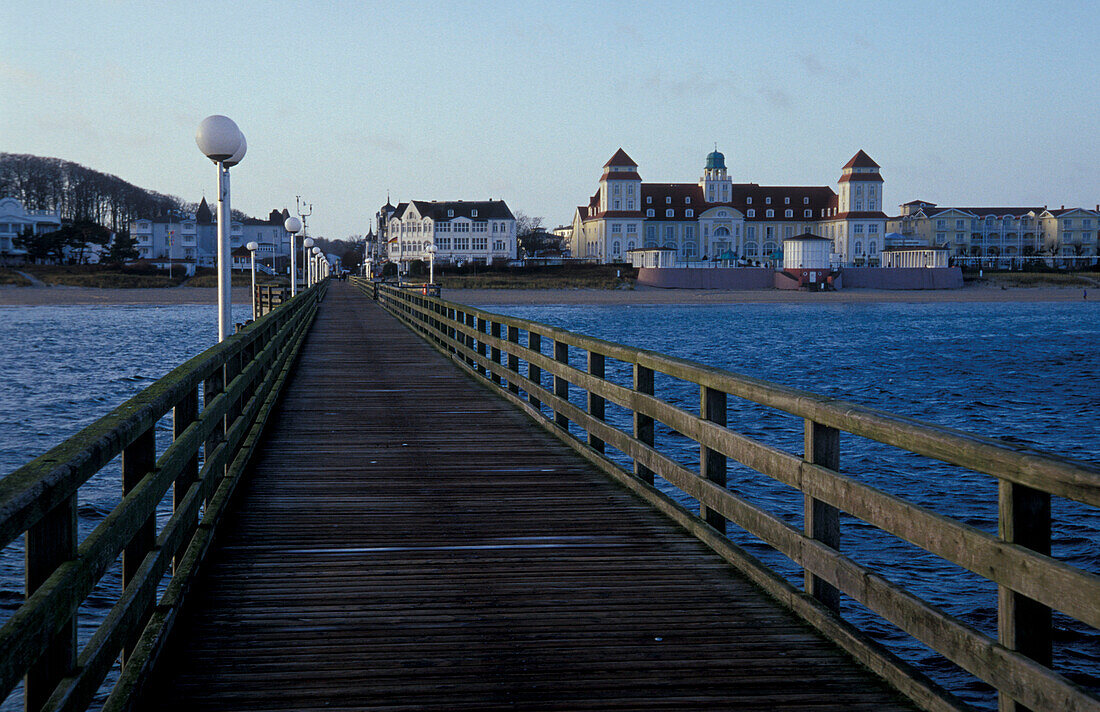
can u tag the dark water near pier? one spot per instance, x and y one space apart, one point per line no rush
1023 372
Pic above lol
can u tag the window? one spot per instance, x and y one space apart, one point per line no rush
941 224
786 201
859 248
748 200
499 245
616 228
788 213
750 232
462 243
630 205
615 247
788 231
443 227
473 213
689 232
632 228
770 213
630 189
481 243
751 213
871 190
668 200
687 200
1069 223
668 213
450 213
807 213
689 213
768 200
615 188
859 205
858 229
668 233
618 204
443 243
649 212
806 201
462 227
873 229
959 225
481 227
651 232
649 200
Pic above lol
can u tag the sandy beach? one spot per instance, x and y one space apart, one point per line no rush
32 296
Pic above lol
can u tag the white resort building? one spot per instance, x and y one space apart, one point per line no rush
193 237
462 231
737 223
15 221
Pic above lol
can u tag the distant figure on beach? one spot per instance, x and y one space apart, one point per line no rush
1086 294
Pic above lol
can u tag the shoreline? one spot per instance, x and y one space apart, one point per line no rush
88 296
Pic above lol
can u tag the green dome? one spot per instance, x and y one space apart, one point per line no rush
716 160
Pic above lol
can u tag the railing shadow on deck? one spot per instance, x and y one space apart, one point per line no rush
239 380
1030 583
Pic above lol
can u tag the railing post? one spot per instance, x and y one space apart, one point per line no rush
712 464
534 373
494 330
50 543
513 357
139 458
596 404
561 385
822 521
482 347
470 323
211 388
643 424
1023 624
185 413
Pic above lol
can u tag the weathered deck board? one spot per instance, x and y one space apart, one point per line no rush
408 541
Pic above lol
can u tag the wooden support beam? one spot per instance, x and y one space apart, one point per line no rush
185 413
513 357
597 406
643 424
1023 624
494 330
822 521
561 384
50 543
138 460
534 373
712 464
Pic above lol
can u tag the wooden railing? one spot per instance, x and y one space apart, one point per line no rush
1018 561
239 380
267 297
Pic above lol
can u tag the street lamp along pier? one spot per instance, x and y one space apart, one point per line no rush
222 142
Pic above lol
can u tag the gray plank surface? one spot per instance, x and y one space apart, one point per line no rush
408 541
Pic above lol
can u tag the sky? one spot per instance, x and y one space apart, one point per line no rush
343 103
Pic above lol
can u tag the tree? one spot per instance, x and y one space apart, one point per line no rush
123 248
42 246
533 237
83 234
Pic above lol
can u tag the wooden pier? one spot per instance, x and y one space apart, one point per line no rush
377 499
406 540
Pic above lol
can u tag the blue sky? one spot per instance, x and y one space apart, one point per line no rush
961 103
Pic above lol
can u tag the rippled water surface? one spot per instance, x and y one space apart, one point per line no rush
1022 372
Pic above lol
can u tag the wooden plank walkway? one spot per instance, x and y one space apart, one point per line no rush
409 541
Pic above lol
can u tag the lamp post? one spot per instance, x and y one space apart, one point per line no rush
223 143
293 225
316 264
431 264
252 247
306 245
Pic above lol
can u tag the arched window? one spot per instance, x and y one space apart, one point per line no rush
872 248
689 250
630 245
615 248
859 248
750 249
721 231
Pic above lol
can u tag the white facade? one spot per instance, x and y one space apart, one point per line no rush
806 252
15 221
460 231
194 236
715 219
915 257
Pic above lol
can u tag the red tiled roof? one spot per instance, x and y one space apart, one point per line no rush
860 178
861 160
620 159
621 175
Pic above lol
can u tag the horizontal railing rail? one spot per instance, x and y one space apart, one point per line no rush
240 380
1030 582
